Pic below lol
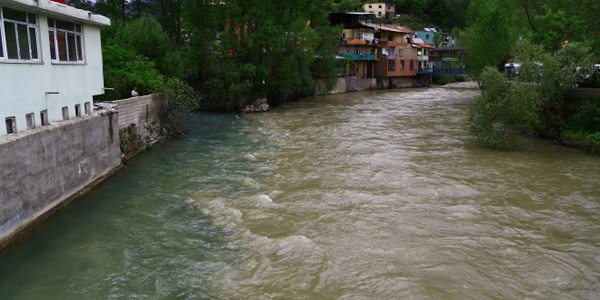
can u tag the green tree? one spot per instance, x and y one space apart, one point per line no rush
534 102
489 37
264 49
124 69
555 27
146 37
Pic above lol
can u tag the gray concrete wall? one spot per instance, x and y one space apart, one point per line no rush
347 84
138 111
355 84
43 168
338 88
139 122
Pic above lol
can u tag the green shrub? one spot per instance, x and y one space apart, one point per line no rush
124 69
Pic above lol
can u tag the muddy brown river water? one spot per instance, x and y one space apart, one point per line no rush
370 195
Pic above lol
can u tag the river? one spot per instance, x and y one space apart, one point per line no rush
369 195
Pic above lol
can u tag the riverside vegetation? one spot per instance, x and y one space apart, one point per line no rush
222 55
553 41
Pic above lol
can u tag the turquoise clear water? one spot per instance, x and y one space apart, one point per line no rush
371 195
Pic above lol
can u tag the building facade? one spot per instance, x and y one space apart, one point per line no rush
427 35
398 57
380 10
50 63
360 47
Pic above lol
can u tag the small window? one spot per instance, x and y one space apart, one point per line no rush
412 65
391 65
66 41
379 6
77 110
402 65
65 112
18 35
88 108
427 36
44 117
370 6
30 118
11 125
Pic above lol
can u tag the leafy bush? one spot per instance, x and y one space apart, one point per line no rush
124 69
535 101
146 37
583 128
179 100
503 111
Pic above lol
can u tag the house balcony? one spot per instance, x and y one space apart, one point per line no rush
386 44
390 56
359 56
359 42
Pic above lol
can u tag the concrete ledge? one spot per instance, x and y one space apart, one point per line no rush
27 227
45 168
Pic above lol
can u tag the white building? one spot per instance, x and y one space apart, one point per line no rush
381 10
50 63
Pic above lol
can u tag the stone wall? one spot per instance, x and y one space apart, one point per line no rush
139 123
346 84
355 84
44 168
137 111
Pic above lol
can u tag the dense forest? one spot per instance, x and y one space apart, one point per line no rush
230 52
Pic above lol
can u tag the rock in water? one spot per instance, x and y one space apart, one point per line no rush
260 105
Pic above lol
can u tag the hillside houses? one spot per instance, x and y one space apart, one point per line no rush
393 54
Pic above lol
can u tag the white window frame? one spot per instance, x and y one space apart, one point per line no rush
29 25
53 32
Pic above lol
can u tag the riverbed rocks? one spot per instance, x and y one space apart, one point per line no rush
260 105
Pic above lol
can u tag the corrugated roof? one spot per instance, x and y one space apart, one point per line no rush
417 41
389 27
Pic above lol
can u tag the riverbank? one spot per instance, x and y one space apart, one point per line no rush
46 168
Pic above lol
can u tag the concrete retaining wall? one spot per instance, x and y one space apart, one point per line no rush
355 84
346 84
44 168
139 122
138 111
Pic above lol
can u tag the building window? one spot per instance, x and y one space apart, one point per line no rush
65 112
19 35
370 6
11 125
427 36
379 6
402 65
30 118
66 41
77 110
44 117
412 65
88 108
391 65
